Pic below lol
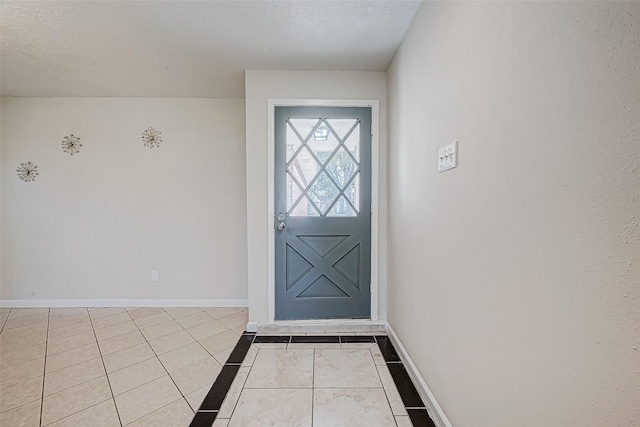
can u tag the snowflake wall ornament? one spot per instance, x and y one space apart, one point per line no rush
151 138
71 144
27 171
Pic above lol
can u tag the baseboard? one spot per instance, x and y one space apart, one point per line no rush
22 303
435 411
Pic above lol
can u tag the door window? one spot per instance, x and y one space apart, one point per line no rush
323 167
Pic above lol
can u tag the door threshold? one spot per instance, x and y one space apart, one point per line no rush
323 326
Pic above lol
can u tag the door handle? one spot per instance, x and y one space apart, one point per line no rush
280 225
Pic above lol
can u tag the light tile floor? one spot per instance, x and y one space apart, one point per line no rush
111 366
324 385
154 366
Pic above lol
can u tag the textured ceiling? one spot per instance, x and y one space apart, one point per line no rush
187 48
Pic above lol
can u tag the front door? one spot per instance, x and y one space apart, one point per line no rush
322 213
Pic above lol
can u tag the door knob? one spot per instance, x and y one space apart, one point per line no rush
280 224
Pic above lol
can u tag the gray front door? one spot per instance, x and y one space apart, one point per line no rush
323 212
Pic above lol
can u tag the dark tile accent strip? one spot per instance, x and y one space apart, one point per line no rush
241 349
203 419
209 408
269 339
212 402
410 398
315 339
387 350
356 339
407 390
420 418
219 390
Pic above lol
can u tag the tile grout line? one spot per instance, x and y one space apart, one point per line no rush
160 361
289 339
65 326
5 320
22 336
25 335
105 368
153 412
22 349
243 384
71 415
169 374
217 411
385 390
42 399
393 377
44 368
198 341
108 326
183 330
395 420
74 364
164 367
71 366
93 331
101 355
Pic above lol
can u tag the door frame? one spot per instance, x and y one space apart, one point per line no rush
375 188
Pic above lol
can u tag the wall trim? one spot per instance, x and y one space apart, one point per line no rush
435 411
22 303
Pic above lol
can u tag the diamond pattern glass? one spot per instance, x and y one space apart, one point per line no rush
342 208
342 167
293 142
352 144
303 167
303 127
323 148
341 126
324 192
322 167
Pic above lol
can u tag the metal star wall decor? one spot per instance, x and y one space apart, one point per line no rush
71 144
27 171
151 138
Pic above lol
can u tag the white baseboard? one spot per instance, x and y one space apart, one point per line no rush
252 327
435 411
22 303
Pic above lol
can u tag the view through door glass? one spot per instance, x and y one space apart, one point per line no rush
323 212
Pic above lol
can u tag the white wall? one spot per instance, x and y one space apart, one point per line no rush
514 280
94 225
325 85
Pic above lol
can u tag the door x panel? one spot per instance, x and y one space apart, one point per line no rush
315 272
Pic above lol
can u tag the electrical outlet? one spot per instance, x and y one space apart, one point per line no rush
448 157
154 275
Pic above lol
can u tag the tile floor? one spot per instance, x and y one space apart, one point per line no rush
319 381
111 366
103 367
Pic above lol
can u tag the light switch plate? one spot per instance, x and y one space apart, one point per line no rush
154 275
448 157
